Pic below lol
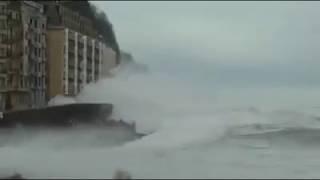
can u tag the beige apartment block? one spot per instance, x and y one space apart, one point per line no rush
74 60
76 55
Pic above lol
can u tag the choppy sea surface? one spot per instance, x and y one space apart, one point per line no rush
193 133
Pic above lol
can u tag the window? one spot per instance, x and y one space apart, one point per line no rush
35 23
23 99
2 83
13 16
9 52
2 24
2 52
36 82
2 8
9 80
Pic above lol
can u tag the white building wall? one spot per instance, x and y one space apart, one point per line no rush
66 61
84 61
93 55
76 63
107 61
100 60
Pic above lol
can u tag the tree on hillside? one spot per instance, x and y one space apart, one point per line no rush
105 28
100 19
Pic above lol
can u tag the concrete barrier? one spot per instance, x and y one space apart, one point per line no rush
58 115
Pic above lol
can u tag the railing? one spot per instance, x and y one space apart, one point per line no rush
71 75
81 64
71 63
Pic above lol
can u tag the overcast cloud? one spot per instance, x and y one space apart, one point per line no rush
255 42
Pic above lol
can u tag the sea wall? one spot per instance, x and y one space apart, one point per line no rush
61 115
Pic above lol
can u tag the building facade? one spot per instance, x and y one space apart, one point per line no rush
22 55
76 54
74 61
46 50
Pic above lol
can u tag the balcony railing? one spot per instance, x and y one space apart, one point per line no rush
71 63
71 71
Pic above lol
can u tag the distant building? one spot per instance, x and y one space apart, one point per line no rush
76 56
109 60
22 55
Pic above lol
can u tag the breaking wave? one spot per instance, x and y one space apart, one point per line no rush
179 115
192 133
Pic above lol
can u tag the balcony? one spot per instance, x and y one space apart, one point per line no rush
71 90
12 40
71 63
89 69
81 64
96 43
15 88
13 71
80 52
39 74
71 36
71 49
80 44
3 16
81 76
3 73
96 50
4 59
43 72
71 75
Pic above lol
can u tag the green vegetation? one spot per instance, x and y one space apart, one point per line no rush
105 28
101 22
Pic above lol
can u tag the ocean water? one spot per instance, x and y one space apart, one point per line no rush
194 132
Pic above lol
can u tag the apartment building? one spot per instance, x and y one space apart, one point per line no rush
46 50
76 54
74 61
22 55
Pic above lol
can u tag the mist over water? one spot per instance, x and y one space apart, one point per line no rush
194 132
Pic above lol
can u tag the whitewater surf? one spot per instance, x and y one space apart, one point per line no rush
190 134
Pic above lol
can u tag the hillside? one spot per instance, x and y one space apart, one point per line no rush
101 22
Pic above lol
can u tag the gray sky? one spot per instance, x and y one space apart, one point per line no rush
258 42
